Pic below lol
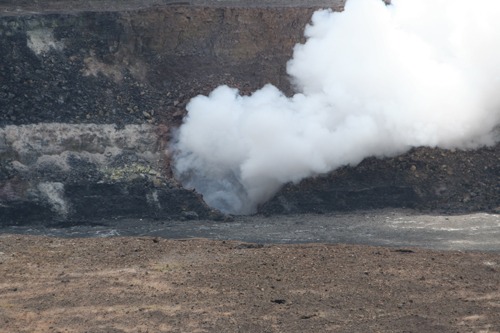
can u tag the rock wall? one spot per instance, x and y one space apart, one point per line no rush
429 180
90 96
88 100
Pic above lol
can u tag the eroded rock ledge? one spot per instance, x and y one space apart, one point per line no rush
90 94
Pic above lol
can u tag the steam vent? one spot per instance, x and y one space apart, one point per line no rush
92 94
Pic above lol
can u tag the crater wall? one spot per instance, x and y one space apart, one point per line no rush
91 92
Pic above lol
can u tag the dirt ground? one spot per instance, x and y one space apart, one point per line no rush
158 285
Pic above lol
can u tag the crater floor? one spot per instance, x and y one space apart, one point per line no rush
148 284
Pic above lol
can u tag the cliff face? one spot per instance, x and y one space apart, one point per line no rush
105 67
89 98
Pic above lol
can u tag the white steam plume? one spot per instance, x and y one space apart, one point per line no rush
373 80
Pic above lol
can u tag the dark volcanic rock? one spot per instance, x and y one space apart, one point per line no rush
424 178
138 66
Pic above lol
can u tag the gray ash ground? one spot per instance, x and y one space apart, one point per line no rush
387 227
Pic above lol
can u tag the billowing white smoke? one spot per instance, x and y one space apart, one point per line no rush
374 80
